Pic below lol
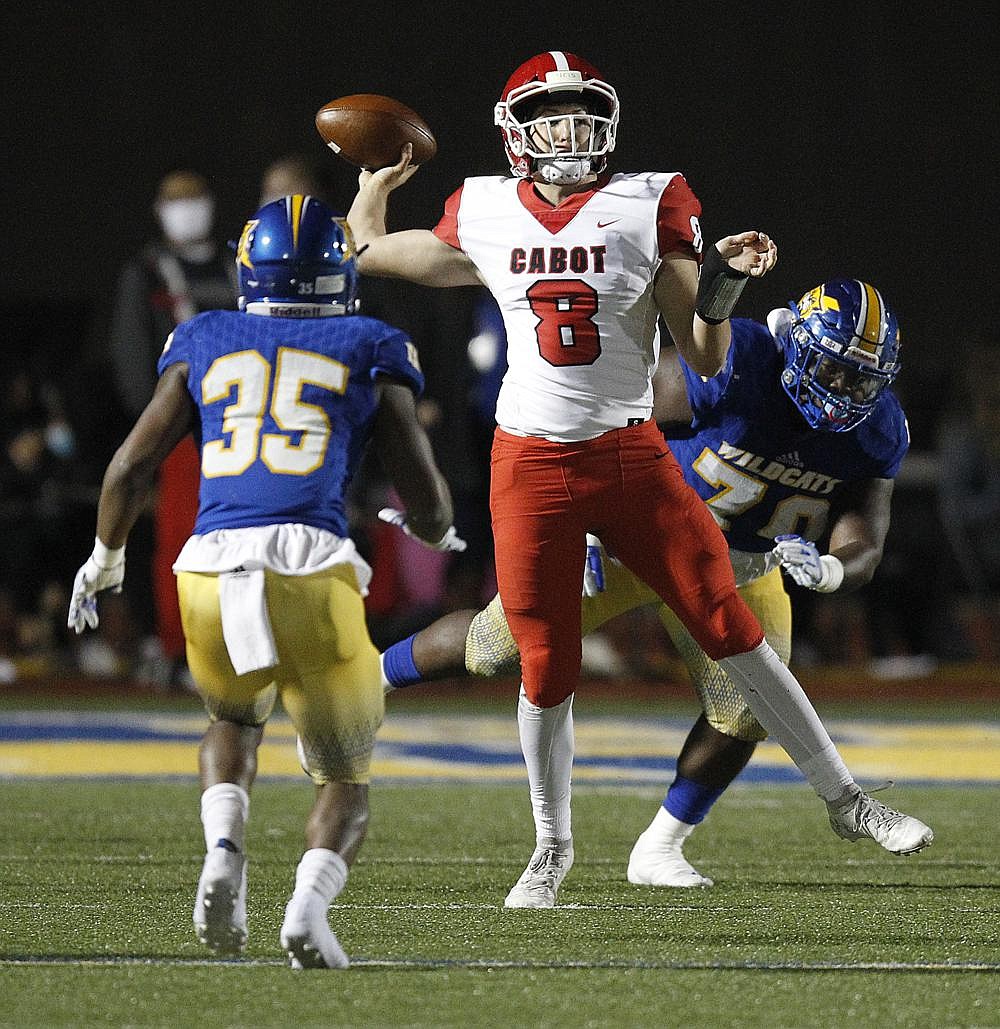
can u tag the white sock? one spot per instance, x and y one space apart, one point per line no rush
322 872
387 687
667 829
225 808
547 744
779 703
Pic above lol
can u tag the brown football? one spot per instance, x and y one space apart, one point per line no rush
369 130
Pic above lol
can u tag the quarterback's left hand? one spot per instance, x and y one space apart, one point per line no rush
104 570
801 559
449 541
752 253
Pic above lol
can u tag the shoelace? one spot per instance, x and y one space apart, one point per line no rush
862 794
875 815
545 868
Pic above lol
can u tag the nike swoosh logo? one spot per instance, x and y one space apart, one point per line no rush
602 225
658 456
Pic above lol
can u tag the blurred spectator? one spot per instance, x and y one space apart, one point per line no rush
174 277
968 448
305 174
40 500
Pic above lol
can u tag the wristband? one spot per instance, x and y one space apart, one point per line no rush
833 574
106 557
719 287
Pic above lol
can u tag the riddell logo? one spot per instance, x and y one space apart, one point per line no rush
603 225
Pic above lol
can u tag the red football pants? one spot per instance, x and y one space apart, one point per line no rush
627 488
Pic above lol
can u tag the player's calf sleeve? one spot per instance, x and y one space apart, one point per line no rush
398 667
489 646
782 707
547 744
225 808
689 801
322 872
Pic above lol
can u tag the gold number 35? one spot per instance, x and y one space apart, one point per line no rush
301 445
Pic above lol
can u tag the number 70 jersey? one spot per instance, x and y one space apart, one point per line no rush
574 284
285 409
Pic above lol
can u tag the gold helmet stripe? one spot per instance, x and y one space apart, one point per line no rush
871 319
294 217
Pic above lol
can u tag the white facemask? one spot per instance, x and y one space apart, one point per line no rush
562 171
187 220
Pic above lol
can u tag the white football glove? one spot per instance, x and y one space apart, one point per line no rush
104 570
449 541
801 559
593 569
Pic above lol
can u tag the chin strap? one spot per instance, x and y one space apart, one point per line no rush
562 171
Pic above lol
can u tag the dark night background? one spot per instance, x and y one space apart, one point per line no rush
862 137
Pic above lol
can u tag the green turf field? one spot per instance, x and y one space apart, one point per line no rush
802 929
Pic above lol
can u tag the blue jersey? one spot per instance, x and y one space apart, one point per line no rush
285 407
759 467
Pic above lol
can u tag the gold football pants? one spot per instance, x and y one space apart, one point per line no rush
327 673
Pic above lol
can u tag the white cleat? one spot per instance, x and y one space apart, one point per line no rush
308 940
656 863
540 881
861 817
220 906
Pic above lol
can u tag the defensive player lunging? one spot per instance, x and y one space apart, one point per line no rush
282 397
798 438
581 263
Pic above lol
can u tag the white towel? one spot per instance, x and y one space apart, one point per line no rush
246 626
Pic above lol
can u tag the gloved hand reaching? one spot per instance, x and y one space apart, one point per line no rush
802 560
449 541
593 569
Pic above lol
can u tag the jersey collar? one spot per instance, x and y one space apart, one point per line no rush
556 218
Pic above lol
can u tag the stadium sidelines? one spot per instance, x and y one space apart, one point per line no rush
471 747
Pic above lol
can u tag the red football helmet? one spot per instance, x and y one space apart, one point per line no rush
557 77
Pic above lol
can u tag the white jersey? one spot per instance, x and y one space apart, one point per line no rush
574 284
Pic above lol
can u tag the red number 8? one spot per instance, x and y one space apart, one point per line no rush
565 330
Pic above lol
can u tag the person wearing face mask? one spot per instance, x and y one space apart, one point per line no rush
173 277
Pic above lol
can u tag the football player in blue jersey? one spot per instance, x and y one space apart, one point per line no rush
282 397
795 442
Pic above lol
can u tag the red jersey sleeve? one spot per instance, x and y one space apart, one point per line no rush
677 228
447 228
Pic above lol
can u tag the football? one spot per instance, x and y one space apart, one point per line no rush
369 130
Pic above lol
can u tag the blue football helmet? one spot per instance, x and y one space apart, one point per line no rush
296 259
841 349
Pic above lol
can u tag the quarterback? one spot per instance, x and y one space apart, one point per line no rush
797 440
582 263
282 397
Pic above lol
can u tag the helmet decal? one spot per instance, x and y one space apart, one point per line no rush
243 247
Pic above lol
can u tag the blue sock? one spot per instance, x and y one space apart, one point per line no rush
398 666
689 801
